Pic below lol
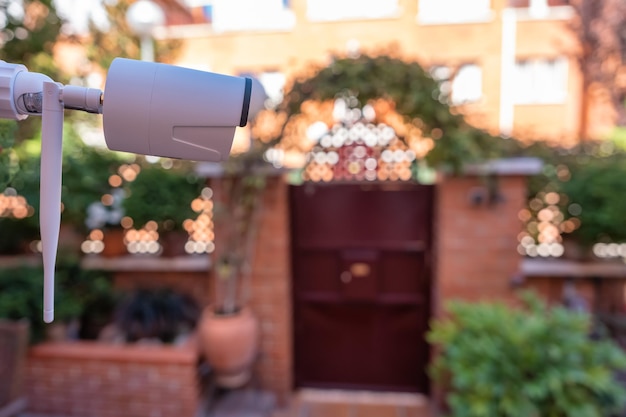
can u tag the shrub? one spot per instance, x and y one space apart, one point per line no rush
589 181
597 186
538 361
77 290
160 314
162 195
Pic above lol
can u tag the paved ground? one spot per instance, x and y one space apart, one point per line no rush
241 403
332 403
320 403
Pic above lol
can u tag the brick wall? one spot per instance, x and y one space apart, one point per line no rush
271 291
85 379
476 244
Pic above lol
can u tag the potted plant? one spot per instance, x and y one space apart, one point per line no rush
164 195
229 330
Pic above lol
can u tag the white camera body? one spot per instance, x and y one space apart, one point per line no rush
163 110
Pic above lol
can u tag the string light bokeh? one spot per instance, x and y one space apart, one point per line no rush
13 205
201 234
145 239
359 146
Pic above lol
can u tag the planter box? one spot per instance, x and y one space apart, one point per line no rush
88 379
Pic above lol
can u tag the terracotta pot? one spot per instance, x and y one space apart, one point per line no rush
575 251
114 243
174 243
230 344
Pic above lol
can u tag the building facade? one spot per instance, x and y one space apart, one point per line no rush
509 65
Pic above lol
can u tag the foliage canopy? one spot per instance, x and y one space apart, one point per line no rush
415 95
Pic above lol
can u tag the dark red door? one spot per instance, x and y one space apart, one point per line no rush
361 275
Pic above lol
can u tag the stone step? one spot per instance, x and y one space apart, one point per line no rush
339 403
243 403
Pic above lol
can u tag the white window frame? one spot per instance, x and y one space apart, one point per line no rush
274 84
252 15
437 12
466 90
198 3
337 10
540 81
541 10
452 86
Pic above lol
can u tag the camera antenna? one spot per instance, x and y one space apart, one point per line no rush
24 93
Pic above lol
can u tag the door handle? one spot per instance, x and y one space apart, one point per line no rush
345 277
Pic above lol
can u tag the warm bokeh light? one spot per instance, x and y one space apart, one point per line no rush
200 230
96 234
129 172
107 200
359 151
143 241
14 206
544 224
94 244
115 181
126 222
151 226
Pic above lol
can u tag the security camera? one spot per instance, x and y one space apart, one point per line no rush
148 108
163 110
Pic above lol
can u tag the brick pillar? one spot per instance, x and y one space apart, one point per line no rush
476 242
271 291
270 286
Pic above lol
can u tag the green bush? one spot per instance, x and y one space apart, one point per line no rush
598 187
499 361
589 180
162 195
77 290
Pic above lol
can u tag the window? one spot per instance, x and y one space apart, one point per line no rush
465 87
201 8
329 10
527 3
453 11
541 81
242 15
542 9
273 83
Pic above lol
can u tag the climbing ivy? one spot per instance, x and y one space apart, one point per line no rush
415 94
